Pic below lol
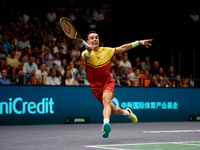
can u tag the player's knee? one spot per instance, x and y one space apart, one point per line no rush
106 101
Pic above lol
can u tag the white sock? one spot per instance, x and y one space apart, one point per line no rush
126 113
106 120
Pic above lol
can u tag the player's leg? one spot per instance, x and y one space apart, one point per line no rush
106 100
127 112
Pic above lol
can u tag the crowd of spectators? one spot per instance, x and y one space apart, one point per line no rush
34 50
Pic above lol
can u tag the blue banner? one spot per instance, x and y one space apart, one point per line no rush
52 104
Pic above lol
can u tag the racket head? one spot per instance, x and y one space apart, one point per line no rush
69 29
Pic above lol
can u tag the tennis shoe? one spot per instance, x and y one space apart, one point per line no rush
106 130
132 116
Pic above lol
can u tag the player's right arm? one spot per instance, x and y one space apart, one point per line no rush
87 53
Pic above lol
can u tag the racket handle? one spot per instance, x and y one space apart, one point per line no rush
84 43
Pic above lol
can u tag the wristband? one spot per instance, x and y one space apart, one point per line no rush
134 44
88 54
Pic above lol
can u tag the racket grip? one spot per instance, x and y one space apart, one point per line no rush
84 43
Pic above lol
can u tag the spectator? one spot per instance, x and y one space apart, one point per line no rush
146 66
116 81
135 80
155 69
58 74
52 80
51 16
137 64
122 77
78 80
48 62
162 80
68 78
171 76
3 79
29 69
80 69
57 60
116 67
194 16
62 55
25 17
3 56
63 66
184 83
6 44
48 51
154 82
125 62
76 50
72 69
28 52
99 17
56 48
179 82
13 64
41 75
113 59
190 81
23 43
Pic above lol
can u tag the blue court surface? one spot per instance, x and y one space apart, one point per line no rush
124 136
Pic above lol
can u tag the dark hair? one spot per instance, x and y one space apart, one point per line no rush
66 74
52 69
90 33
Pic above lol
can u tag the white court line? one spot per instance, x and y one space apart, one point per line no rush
99 146
172 131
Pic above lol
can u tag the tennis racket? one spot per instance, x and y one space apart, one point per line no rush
70 31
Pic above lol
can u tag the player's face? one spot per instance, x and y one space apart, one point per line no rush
93 39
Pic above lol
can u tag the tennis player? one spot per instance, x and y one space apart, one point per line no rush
97 67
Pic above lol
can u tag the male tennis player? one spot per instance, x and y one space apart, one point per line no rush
97 67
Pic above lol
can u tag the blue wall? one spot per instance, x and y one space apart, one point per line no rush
51 105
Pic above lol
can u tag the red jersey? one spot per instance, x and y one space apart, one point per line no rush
98 66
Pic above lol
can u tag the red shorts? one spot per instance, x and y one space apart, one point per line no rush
106 87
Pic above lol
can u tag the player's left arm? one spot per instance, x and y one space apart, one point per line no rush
129 46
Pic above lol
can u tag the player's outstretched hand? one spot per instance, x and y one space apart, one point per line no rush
145 42
89 48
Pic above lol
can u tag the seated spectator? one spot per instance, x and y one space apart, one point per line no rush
41 75
146 66
137 64
57 60
72 69
116 81
23 43
47 51
56 48
171 76
29 69
48 62
13 64
78 80
122 77
135 80
162 80
28 52
68 78
58 74
178 81
3 56
62 55
154 82
113 59
80 69
155 69
6 44
52 80
76 50
184 83
61 69
190 81
3 79
125 62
